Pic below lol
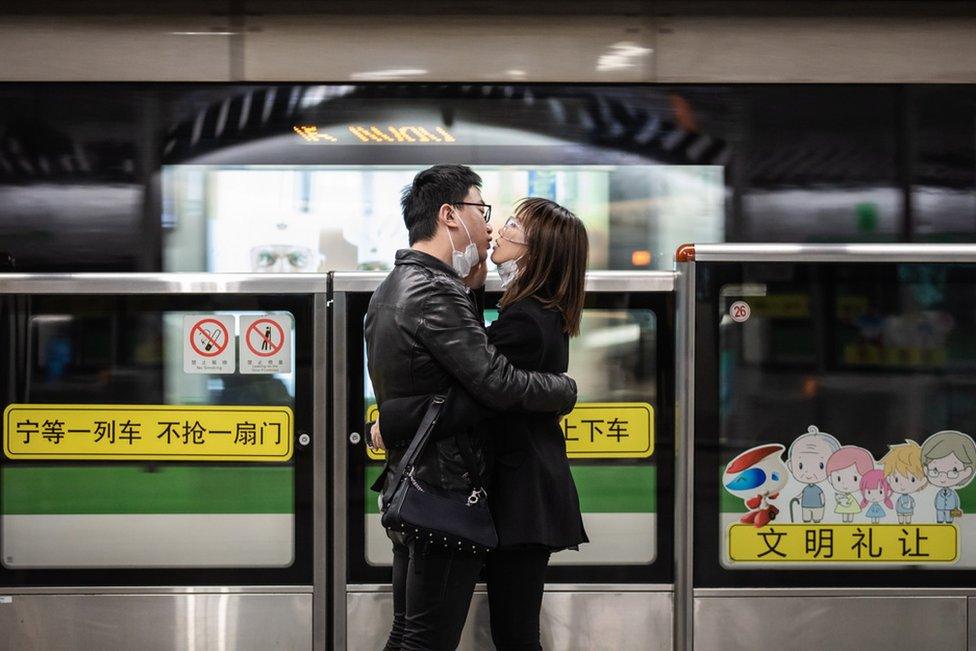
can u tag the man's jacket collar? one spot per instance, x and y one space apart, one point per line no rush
412 256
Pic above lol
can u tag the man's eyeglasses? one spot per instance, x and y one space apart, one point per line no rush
486 212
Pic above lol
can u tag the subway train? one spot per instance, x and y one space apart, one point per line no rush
189 245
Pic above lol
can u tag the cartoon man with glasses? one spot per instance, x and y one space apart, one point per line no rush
949 458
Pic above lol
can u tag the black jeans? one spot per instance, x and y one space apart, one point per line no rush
516 577
432 588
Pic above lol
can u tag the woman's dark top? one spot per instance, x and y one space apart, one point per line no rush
532 495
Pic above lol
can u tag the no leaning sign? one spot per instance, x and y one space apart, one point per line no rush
265 344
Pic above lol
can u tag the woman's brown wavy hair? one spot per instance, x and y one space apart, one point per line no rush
553 269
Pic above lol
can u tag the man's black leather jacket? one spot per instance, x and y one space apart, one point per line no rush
424 335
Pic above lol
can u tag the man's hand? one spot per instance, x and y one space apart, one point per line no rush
476 279
375 438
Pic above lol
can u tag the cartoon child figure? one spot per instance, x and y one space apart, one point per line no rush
905 474
757 475
845 469
948 457
875 490
807 461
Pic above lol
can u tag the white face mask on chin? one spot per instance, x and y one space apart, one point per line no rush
464 261
508 271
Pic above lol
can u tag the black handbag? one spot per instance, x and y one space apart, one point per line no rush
442 517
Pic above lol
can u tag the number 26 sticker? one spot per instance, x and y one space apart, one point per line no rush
740 311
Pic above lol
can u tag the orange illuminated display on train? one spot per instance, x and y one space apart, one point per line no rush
375 134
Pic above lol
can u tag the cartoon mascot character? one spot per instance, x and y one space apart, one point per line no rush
757 476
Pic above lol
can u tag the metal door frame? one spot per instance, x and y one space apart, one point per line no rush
686 257
216 283
343 283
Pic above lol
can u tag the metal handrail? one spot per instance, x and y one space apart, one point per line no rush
932 253
596 281
162 283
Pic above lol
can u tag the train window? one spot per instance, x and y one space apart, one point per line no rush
619 440
312 218
842 422
67 515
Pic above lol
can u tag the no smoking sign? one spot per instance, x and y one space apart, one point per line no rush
265 344
207 344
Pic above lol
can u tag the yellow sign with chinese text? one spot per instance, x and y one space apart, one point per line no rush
372 413
844 543
148 432
593 430
609 430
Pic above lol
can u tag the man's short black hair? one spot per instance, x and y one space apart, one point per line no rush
431 189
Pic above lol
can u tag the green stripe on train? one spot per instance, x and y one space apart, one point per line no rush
33 490
616 488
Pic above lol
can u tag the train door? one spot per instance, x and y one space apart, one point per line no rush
616 591
156 482
829 419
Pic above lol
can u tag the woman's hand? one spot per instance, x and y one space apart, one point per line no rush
376 441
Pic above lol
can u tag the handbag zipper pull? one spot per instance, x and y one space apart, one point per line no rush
476 495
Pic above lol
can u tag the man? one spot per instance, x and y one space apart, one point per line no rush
949 458
425 335
807 462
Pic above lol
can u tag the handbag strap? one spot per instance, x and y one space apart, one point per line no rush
467 452
416 445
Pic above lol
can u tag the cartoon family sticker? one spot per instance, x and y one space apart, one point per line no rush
862 489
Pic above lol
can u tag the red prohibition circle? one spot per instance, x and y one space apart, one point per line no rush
218 348
274 349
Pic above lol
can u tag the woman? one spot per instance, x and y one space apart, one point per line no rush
541 256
